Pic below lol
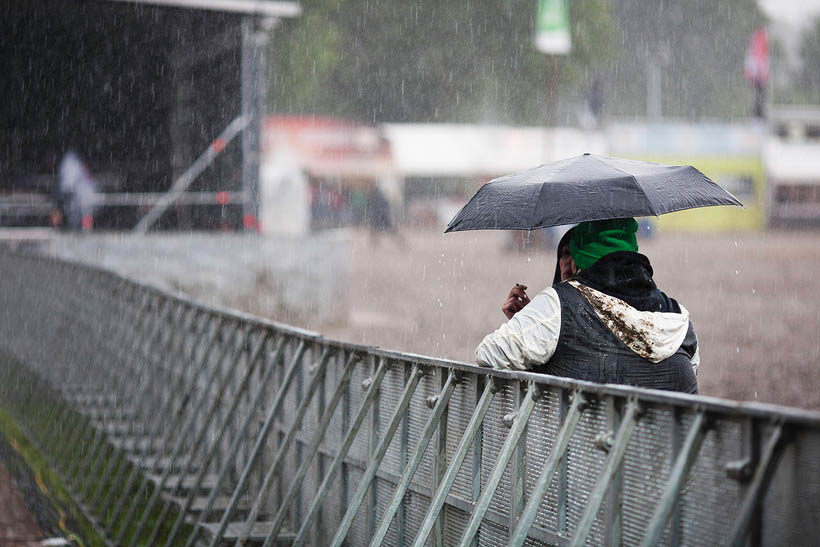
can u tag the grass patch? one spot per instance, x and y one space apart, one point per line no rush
70 520
28 406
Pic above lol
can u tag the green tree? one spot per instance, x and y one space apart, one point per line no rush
698 46
421 61
807 79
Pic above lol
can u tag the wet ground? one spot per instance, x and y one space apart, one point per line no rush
754 300
28 517
17 524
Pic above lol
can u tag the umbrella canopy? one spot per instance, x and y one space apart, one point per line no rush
587 187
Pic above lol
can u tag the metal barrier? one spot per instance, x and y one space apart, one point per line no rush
174 423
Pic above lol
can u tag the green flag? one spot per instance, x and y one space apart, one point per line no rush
552 27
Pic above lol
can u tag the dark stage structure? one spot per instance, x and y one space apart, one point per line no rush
139 90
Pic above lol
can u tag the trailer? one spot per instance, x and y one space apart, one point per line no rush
792 159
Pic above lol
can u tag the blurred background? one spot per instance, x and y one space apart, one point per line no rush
300 161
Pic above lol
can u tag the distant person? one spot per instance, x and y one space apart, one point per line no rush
358 205
607 322
378 215
76 194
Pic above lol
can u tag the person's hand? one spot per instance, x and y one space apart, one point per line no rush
515 301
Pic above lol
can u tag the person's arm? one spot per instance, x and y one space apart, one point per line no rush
529 338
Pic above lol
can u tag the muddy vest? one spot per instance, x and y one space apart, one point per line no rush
589 350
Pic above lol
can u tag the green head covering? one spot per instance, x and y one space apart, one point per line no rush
593 240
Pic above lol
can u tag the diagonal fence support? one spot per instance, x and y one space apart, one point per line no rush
677 477
510 443
557 454
613 461
430 426
285 445
372 390
490 389
255 406
256 453
198 443
312 451
758 485
170 444
381 450
199 367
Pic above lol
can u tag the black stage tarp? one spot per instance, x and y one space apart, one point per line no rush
137 91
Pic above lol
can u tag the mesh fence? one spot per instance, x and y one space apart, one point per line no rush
175 423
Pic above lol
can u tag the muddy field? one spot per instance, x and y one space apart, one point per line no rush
754 300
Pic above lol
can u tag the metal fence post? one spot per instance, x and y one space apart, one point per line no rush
504 456
307 522
439 468
677 476
477 451
769 459
613 461
260 441
378 455
614 497
312 451
231 454
518 464
490 389
563 466
373 443
433 421
557 455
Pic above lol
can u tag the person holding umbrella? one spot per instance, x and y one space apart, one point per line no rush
606 322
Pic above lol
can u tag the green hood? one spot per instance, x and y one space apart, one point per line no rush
594 240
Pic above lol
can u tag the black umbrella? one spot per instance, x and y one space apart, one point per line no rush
587 187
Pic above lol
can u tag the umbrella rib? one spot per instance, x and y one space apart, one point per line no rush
634 180
544 185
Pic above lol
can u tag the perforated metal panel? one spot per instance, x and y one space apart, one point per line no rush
461 407
646 471
710 492
540 441
494 433
584 462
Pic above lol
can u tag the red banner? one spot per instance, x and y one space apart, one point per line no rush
756 64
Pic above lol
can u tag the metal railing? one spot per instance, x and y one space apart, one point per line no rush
175 423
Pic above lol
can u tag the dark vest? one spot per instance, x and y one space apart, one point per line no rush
588 350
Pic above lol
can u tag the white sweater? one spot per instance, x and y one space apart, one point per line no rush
531 336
